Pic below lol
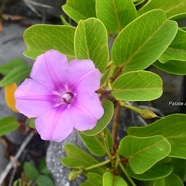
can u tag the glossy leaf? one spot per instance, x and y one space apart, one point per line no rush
17 75
138 2
44 180
172 67
31 122
137 149
77 158
104 121
43 167
141 42
18 182
177 49
172 8
8 66
115 14
99 143
92 180
159 170
91 42
79 10
40 38
9 96
30 171
137 86
110 180
171 180
8 124
172 127
179 167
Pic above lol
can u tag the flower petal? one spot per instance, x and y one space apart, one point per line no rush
83 75
86 110
50 69
32 98
82 120
55 124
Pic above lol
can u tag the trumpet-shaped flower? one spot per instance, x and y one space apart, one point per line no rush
60 95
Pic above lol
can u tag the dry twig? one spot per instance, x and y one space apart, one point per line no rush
13 161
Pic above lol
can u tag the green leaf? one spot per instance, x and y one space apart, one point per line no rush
179 167
137 86
30 171
17 75
173 127
98 144
177 49
173 54
92 180
18 182
171 180
79 10
110 180
173 9
7 67
115 14
172 67
43 180
8 124
159 170
77 158
31 123
91 42
104 121
33 53
43 167
138 2
141 42
40 38
137 149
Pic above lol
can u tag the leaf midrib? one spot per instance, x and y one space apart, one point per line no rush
117 16
144 149
142 46
135 89
170 9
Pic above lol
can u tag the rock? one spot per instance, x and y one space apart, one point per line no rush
11 43
4 109
3 160
55 7
54 153
34 8
16 137
173 91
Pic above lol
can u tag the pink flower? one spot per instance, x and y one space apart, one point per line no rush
60 95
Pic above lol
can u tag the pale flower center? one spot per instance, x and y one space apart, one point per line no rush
68 97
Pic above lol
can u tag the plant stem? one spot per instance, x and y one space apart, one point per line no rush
107 147
143 112
112 37
98 165
104 92
115 127
129 106
13 161
126 174
118 72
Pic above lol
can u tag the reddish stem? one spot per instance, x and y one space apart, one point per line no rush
119 71
115 127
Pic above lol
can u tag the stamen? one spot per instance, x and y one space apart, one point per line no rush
68 97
